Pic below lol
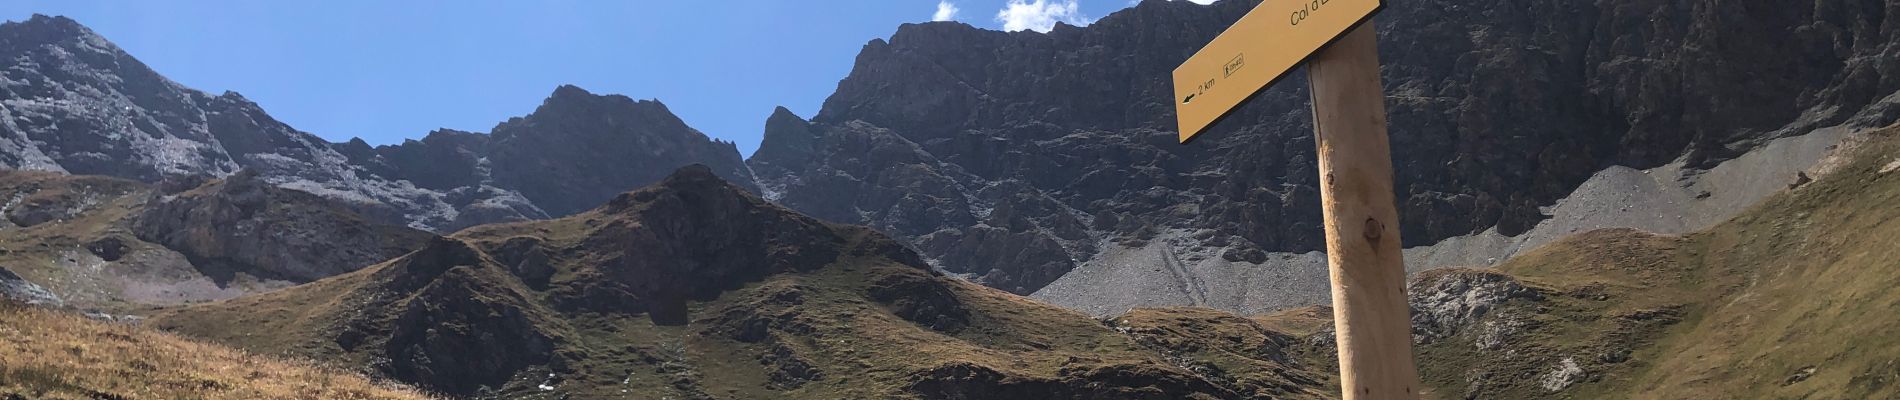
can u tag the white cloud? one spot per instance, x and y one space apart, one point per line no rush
945 11
1040 16
1201 2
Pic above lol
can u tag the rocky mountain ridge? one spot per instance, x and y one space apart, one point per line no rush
75 103
1015 157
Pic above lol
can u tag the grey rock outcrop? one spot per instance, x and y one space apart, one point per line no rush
243 224
15 288
1447 301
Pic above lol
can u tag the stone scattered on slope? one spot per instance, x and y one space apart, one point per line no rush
1444 301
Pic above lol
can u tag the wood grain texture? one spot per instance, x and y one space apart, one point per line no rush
1361 220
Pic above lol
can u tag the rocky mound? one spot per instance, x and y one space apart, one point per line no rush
694 288
16 289
110 244
243 224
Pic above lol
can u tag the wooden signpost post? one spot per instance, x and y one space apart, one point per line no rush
1335 39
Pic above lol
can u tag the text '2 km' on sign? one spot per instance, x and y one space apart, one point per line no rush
1256 51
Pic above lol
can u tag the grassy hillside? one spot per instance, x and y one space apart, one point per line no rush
1798 296
54 355
1794 298
695 289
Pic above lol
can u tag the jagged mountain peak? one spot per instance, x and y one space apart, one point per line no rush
579 149
569 91
43 41
933 79
574 99
75 103
786 143
44 29
782 123
782 112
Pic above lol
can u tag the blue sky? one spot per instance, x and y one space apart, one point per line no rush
390 70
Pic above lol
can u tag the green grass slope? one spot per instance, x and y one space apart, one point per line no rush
46 354
1800 296
1794 298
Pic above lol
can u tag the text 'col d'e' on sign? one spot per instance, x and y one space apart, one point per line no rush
1256 51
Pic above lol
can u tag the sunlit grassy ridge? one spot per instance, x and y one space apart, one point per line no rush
1800 297
55 355
1794 298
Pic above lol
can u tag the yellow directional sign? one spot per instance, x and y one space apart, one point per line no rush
1259 49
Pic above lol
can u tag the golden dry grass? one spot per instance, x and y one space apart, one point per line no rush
53 355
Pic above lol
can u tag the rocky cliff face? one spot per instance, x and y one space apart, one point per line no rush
1014 157
75 103
242 224
574 152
